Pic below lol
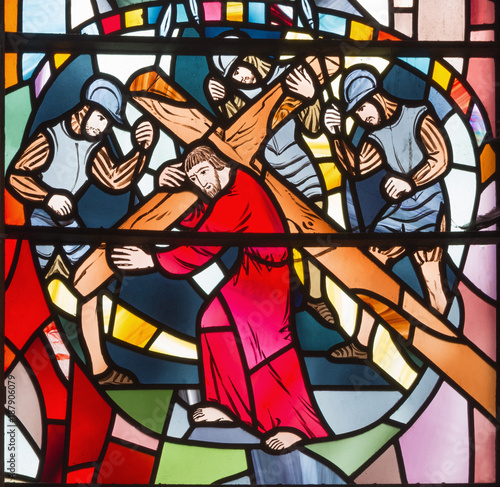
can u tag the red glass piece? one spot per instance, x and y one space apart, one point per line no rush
54 392
111 24
90 416
122 465
24 301
54 453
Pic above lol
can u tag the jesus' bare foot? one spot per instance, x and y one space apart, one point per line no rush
210 414
282 440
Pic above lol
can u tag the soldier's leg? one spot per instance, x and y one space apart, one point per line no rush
429 261
356 350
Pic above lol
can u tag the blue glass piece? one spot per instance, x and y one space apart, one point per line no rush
441 106
332 24
171 302
181 13
232 435
152 370
358 134
40 16
354 223
30 62
454 313
312 335
295 468
257 13
190 73
370 199
178 422
64 93
401 83
417 398
405 270
103 6
325 373
153 14
91 30
240 481
421 63
347 411
338 5
99 209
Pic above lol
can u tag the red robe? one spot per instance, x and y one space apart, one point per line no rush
249 357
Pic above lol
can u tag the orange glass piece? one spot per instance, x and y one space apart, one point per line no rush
488 163
14 211
384 36
11 14
9 357
10 69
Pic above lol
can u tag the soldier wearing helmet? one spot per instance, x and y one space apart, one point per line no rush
50 174
407 141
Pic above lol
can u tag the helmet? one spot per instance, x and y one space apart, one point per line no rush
108 95
358 84
223 63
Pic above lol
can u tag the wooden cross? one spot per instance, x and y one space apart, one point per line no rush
453 354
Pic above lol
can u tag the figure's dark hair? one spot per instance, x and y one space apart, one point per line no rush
202 154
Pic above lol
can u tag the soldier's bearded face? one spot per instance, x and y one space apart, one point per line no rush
96 124
205 176
369 114
244 75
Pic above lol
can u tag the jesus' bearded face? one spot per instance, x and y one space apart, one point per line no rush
205 176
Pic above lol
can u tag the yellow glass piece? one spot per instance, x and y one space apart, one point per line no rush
380 64
59 59
168 344
441 75
298 263
298 36
488 163
388 358
132 329
346 307
134 18
62 297
235 11
10 69
331 175
361 32
107 308
320 147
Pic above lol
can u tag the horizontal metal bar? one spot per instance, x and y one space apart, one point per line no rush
114 236
200 46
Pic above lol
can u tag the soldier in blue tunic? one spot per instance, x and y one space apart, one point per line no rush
407 141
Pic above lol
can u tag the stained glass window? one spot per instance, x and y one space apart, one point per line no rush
250 243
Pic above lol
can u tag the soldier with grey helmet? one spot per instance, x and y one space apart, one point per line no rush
406 140
50 174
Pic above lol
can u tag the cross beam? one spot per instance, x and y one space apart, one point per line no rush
430 335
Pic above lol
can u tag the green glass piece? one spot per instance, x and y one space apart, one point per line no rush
350 453
127 3
183 464
147 407
17 112
71 330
